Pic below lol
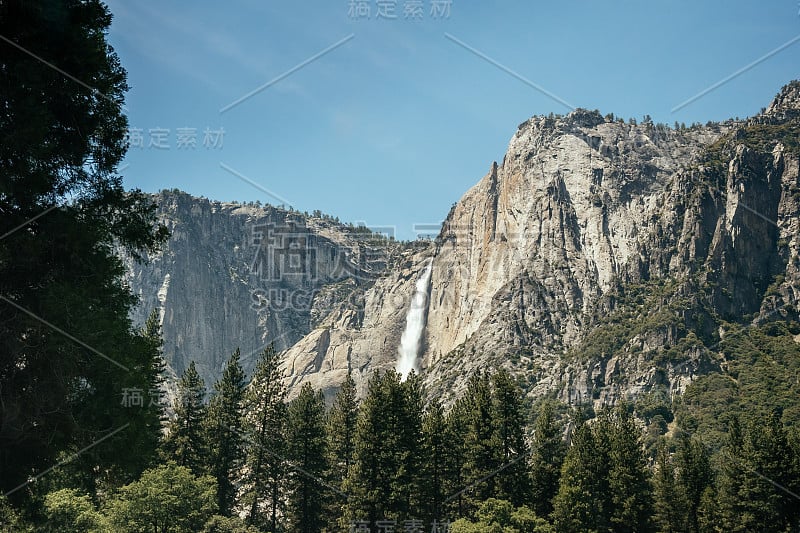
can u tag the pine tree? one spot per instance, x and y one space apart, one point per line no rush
547 457
185 442
147 419
65 216
481 457
435 471
265 424
341 434
151 331
514 481
385 473
628 477
306 451
581 502
694 475
730 479
369 480
409 481
708 517
223 429
152 415
669 501
756 469
793 439
456 426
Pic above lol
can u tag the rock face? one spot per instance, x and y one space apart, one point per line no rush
244 276
532 268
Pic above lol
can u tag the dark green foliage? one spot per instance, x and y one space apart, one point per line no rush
223 432
166 498
604 481
547 456
456 424
669 502
481 455
694 477
628 476
60 143
654 408
636 309
437 463
341 435
10 519
708 513
581 502
756 478
150 418
227 524
265 426
500 516
762 365
185 442
385 478
306 451
68 511
513 482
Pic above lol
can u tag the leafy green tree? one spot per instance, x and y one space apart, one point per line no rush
10 519
70 511
227 524
547 457
513 481
265 425
223 432
185 442
306 451
502 517
341 433
65 214
166 498
525 520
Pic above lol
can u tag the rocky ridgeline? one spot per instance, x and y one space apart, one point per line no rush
589 262
234 275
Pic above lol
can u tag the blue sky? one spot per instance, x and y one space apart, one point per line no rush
393 125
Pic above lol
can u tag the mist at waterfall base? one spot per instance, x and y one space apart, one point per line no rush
415 325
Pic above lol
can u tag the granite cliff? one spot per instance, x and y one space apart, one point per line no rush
600 258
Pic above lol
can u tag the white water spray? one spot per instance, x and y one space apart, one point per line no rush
415 324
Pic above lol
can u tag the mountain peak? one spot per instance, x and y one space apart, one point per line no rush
585 117
787 101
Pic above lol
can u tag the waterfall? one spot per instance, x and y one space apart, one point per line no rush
415 325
